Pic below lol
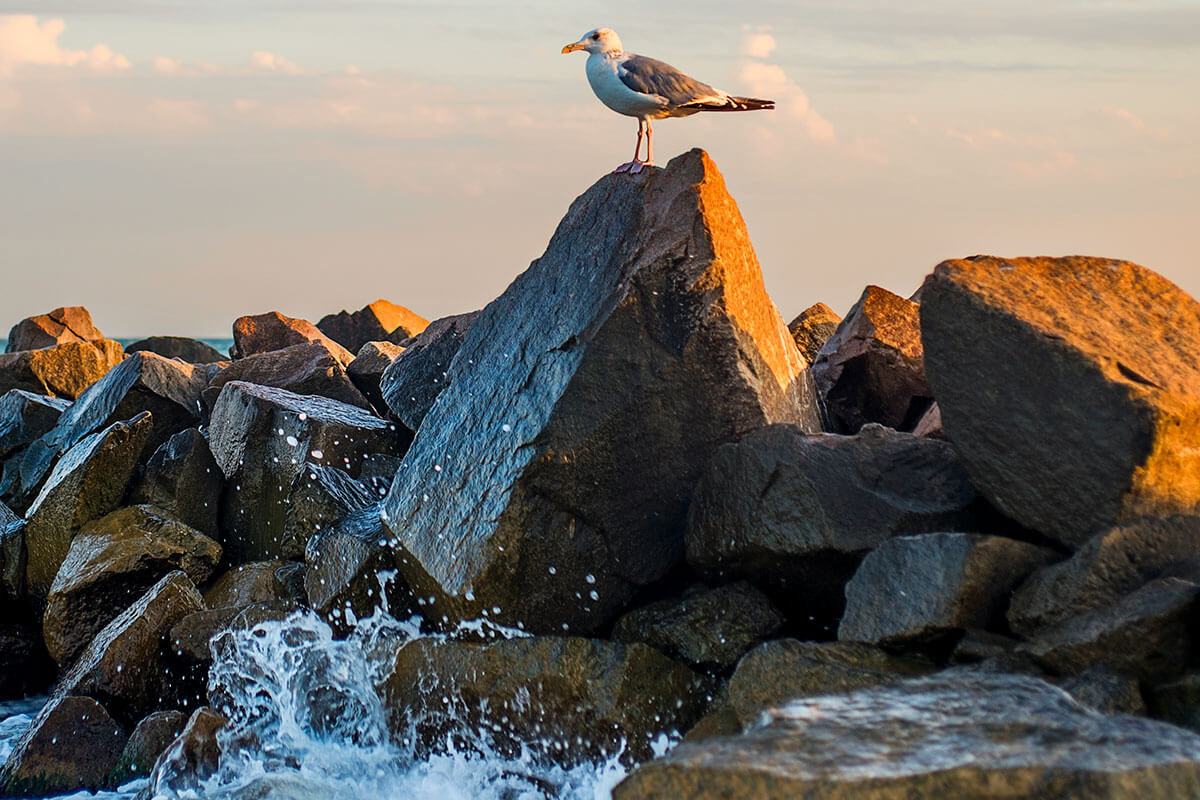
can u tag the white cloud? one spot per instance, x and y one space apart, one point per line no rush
24 41
1136 122
270 62
758 44
770 81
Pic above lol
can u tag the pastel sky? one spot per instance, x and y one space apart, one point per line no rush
173 165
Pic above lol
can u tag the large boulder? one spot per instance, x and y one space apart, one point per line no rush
273 582
60 326
72 744
812 328
308 368
795 514
415 378
349 564
64 370
149 740
183 479
192 351
871 369
368 367
376 322
262 438
956 736
320 496
111 563
1069 386
192 758
644 329
262 333
25 416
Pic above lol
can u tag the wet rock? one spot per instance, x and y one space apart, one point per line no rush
708 629
25 416
275 581
1149 634
566 698
1177 700
72 744
320 496
795 514
191 636
946 736
87 483
124 666
60 326
111 563
345 562
782 670
1106 691
183 479
415 378
191 759
367 368
149 740
1108 566
928 588
192 351
263 333
376 322
871 369
12 556
812 329
645 328
262 437
308 368
61 371
1069 386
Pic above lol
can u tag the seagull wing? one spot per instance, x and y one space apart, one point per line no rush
653 77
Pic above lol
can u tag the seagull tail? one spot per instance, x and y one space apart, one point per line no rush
733 104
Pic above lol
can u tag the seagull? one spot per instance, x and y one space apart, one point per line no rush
646 88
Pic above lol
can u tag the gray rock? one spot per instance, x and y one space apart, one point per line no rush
12 556
25 416
320 496
310 368
72 744
415 378
367 368
378 321
60 326
1106 691
183 479
262 333
193 351
64 370
345 562
149 740
1177 700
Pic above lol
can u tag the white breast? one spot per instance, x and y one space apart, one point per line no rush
602 75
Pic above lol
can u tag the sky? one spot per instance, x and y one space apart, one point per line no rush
173 165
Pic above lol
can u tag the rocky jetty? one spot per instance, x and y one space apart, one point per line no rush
946 546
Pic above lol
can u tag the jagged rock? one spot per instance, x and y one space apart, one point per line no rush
1106 691
149 740
367 368
192 351
415 378
706 629
124 666
309 368
930 424
24 667
925 589
12 556
61 371
60 326
344 565
1177 701
111 563
319 497
192 758
569 698
1108 566
795 514
263 333
1069 386
956 736
378 321
1148 634
275 581
25 416
262 437
812 328
87 483
72 744
782 670
871 369
183 479
645 328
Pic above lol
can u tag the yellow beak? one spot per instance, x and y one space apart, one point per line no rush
571 48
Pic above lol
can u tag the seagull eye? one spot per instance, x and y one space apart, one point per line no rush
595 36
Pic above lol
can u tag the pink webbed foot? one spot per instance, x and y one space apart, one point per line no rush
633 167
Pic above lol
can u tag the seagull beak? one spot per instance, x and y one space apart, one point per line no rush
571 48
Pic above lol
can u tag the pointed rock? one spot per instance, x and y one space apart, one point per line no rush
320 496
812 329
60 326
415 378
25 416
273 331
183 479
347 563
149 740
378 321
72 744
64 370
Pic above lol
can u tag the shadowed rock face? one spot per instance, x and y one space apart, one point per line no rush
72 744
378 321
584 402
308 368
25 416
192 351
414 379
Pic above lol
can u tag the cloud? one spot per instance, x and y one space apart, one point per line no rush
270 62
1031 156
758 44
1136 122
26 42
768 80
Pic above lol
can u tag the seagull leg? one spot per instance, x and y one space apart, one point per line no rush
635 166
638 166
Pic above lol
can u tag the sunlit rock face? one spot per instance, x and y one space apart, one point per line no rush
550 479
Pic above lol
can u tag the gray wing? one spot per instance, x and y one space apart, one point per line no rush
651 76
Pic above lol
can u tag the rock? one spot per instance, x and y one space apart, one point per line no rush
376 322
1147 634
274 581
183 479
191 636
926 589
567 698
1106 691
795 514
976 646
707 629
320 496
111 563
24 667
871 369
12 556
193 351
782 670
273 331
149 740
415 378
192 758
262 437
1108 566
123 667
645 328
1069 386
72 744
930 424
344 565
87 483
367 368
812 329
1177 701
947 736
309 368
60 326
61 371
25 416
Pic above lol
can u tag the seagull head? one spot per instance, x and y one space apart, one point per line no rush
601 40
